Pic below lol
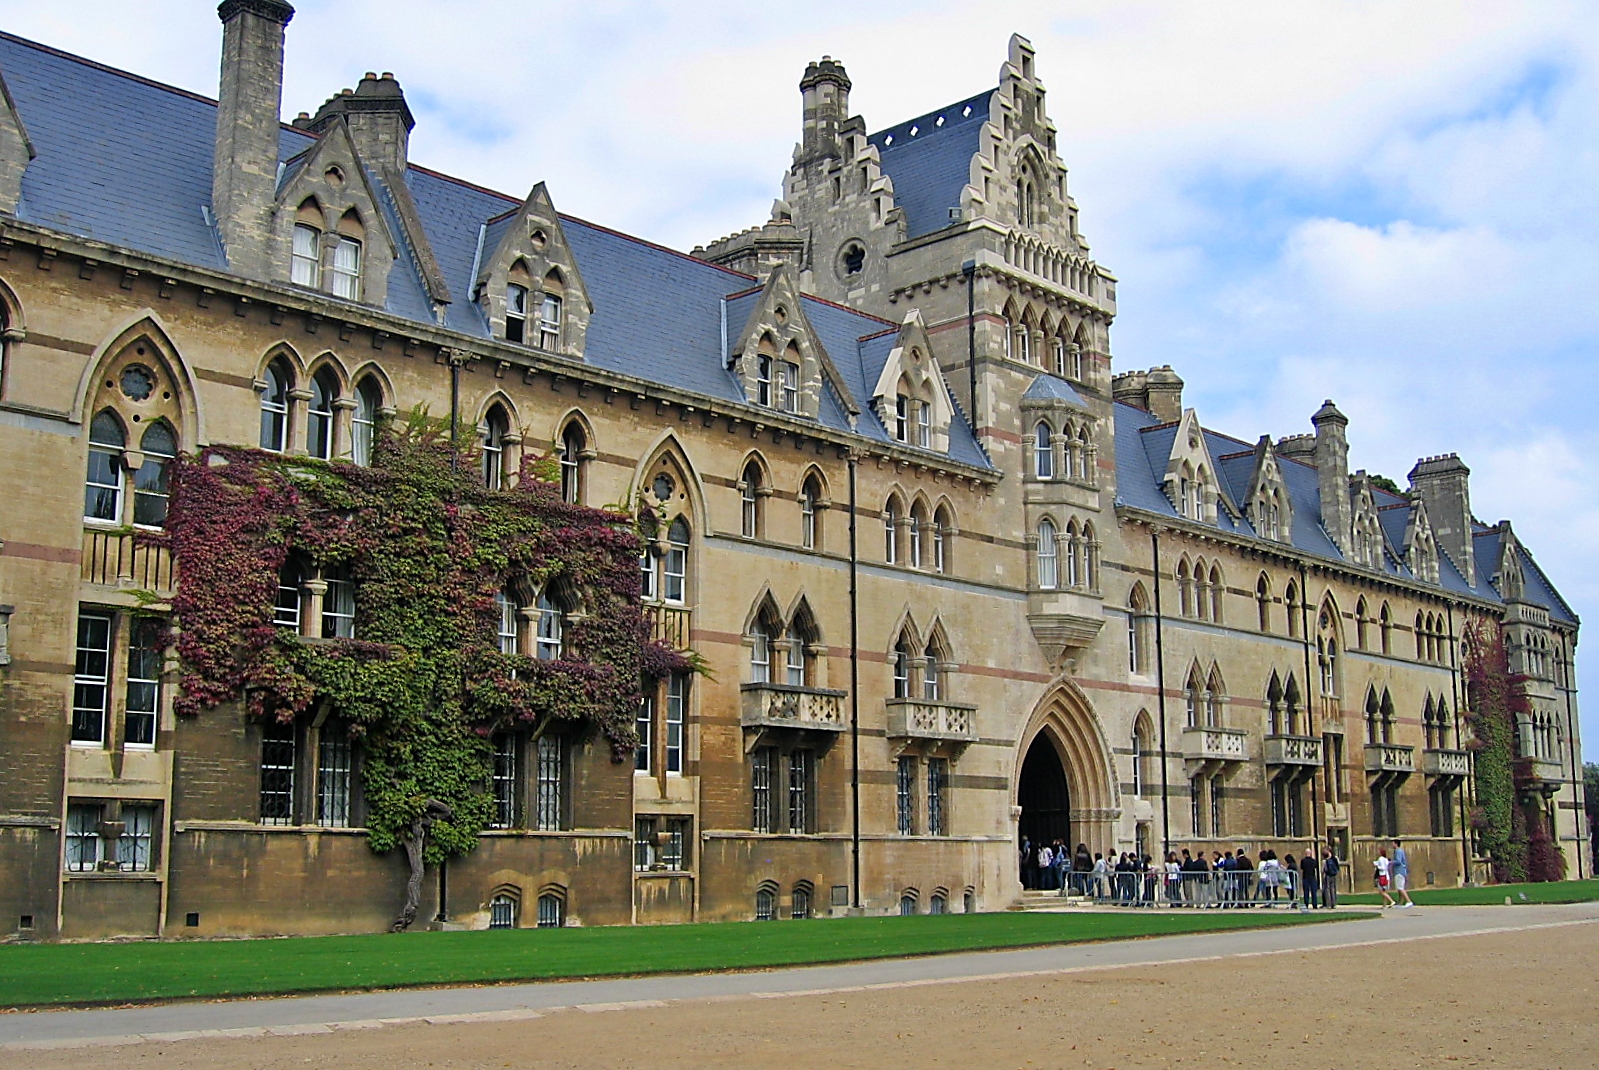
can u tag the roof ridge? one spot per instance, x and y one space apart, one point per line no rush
933 114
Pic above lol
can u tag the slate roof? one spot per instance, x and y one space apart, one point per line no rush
1143 446
931 166
1049 388
127 161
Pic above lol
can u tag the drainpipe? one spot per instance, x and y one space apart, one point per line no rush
969 269
854 697
455 408
1579 786
1160 691
1454 691
1304 634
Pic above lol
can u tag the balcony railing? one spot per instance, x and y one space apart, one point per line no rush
1293 750
118 559
1540 771
1203 744
918 719
669 624
1390 758
787 706
1445 762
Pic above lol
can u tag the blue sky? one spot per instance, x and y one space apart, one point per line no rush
1393 204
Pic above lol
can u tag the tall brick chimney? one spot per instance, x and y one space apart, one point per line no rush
244 172
1444 484
1332 474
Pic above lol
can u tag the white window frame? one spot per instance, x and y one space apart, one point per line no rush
87 680
1048 561
143 693
550 314
516 297
346 273
305 259
676 718
84 848
549 642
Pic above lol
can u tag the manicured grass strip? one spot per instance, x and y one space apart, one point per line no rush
35 975
1489 894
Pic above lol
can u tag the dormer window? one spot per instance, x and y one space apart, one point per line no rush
550 322
305 265
347 269
924 426
788 384
902 405
763 380
515 313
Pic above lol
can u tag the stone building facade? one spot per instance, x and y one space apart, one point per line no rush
955 580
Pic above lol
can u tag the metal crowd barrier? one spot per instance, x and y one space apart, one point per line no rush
1264 887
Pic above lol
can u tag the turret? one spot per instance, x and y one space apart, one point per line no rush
824 91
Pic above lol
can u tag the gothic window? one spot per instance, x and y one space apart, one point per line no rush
1074 555
891 514
937 793
572 447
548 795
1138 628
103 484
1185 590
277 381
548 643
810 516
762 763
676 717
516 300
1043 452
918 526
347 254
1194 699
364 420
503 911
1048 575
674 565
1361 613
159 446
319 416
760 653
335 769
338 605
788 385
305 261
801 787
1385 625
1386 707
902 668
924 425
1217 590
496 425
905 794
1274 706
854 259
1215 696
765 904
1291 604
1291 707
942 533
1263 602
932 674
763 380
551 311
749 492
286 608
1373 717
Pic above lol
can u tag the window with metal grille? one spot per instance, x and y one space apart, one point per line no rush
643 843
937 786
799 791
146 649
675 844
800 904
503 780
907 905
552 911
502 912
83 837
136 845
548 809
1196 805
765 904
676 708
1216 797
644 725
334 764
938 905
905 795
278 754
761 763
91 673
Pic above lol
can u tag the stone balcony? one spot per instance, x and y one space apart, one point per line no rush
1293 750
786 706
1201 744
910 718
1453 763
1540 774
1390 758
116 558
669 624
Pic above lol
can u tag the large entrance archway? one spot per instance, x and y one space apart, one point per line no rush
1064 786
1043 795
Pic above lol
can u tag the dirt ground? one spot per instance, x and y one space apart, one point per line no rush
1521 1000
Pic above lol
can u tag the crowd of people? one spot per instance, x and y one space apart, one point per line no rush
1196 879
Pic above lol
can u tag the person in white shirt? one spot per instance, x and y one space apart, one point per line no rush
1382 865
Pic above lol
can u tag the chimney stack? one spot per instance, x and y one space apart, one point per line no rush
380 121
1165 394
1131 388
824 91
1444 484
1332 473
244 174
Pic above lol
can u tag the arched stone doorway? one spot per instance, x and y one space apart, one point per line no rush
1063 784
1043 795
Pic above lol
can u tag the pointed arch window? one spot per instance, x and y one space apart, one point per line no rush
495 427
1043 452
305 261
276 384
1263 602
1138 625
902 668
1373 717
516 301
1217 590
572 447
1214 698
810 517
749 492
1385 623
942 532
1074 555
674 564
1193 699
319 415
891 532
507 628
150 492
1185 590
1291 604
918 525
760 653
1361 613
1274 706
551 311
102 498
364 420
924 425
788 385
932 673
1048 574
347 268
549 643
796 658
1292 704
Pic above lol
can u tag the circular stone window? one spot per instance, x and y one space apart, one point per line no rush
851 260
137 383
662 487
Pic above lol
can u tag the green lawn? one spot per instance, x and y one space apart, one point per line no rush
40 974
1488 894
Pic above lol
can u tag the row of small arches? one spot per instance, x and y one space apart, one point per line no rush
1072 447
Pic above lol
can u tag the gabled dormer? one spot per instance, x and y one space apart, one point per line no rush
1366 544
778 359
1508 576
16 151
1190 481
528 283
328 233
1267 503
1421 545
911 397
